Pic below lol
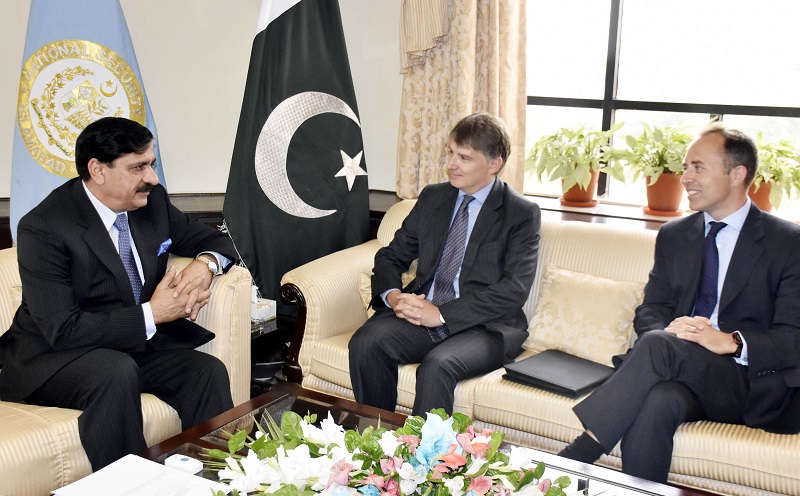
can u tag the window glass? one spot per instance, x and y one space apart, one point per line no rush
635 193
545 120
566 48
735 52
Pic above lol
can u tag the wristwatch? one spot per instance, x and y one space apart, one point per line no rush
738 340
211 264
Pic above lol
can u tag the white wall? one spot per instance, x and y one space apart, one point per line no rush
193 56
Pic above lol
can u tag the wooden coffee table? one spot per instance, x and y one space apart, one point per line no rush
291 396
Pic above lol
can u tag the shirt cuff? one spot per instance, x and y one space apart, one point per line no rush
149 321
742 360
222 261
383 296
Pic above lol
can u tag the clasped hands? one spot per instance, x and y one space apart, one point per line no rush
414 308
181 295
699 330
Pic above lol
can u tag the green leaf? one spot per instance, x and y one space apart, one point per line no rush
440 412
562 481
538 472
352 441
218 454
287 490
236 442
461 422
290 424
495 441
527 478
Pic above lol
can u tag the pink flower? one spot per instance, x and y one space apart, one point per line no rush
545 485
480 485
411 441
477 449
452 459
341 474
375 480
391 488
389 465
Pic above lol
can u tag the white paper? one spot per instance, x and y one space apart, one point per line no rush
135 476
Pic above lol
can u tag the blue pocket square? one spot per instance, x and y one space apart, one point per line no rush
163 247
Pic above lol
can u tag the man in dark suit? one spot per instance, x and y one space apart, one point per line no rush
719 328
477 243
102 319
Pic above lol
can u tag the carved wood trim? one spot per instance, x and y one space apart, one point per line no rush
291 368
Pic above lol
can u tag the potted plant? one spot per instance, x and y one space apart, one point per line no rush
778 173
576 157
657 155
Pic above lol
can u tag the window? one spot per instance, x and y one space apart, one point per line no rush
661 62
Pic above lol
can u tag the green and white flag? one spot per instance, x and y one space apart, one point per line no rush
297 187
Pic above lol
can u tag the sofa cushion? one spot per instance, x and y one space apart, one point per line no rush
575 314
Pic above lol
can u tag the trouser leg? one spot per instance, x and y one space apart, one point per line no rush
194 383
105 385
461 356
647 444
375 351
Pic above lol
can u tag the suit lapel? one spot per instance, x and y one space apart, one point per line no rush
487 219
97 239
745 254
441 216
691 265
147 247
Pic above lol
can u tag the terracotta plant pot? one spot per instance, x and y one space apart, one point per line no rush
664 197
761 197
579 197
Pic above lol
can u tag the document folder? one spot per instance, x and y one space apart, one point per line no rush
558 372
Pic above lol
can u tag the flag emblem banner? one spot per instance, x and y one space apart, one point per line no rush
297 187
78 66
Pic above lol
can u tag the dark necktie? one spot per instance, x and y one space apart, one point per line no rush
126 254
707 292
452 256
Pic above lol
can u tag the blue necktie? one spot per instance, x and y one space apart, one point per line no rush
707 292
126 254
450 263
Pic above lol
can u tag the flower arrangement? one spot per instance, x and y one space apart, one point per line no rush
440 456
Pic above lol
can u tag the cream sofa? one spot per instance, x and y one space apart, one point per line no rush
729 459
39 446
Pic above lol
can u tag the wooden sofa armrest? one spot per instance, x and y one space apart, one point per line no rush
328 301
227 315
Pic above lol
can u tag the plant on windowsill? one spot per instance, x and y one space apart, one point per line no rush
657 155
778 174
576 157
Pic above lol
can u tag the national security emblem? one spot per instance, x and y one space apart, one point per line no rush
65 86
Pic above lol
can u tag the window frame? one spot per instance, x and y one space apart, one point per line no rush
610 104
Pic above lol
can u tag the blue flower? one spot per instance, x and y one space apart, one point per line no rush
369 490
163 247
437 436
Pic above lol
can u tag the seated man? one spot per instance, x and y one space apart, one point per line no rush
477 241
102 320
719 328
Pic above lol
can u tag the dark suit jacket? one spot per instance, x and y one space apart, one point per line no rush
760 298
76 295
499 261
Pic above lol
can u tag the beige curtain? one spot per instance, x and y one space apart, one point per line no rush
477 65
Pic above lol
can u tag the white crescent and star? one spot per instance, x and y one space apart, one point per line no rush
272 149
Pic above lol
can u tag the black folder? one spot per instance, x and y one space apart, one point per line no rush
558 372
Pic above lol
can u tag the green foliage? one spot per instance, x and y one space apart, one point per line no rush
779 165
571 155
656 151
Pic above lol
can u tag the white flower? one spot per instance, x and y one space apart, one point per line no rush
388 442
475 466
339 490
455 485
249 477
531 489
519 458
409 478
